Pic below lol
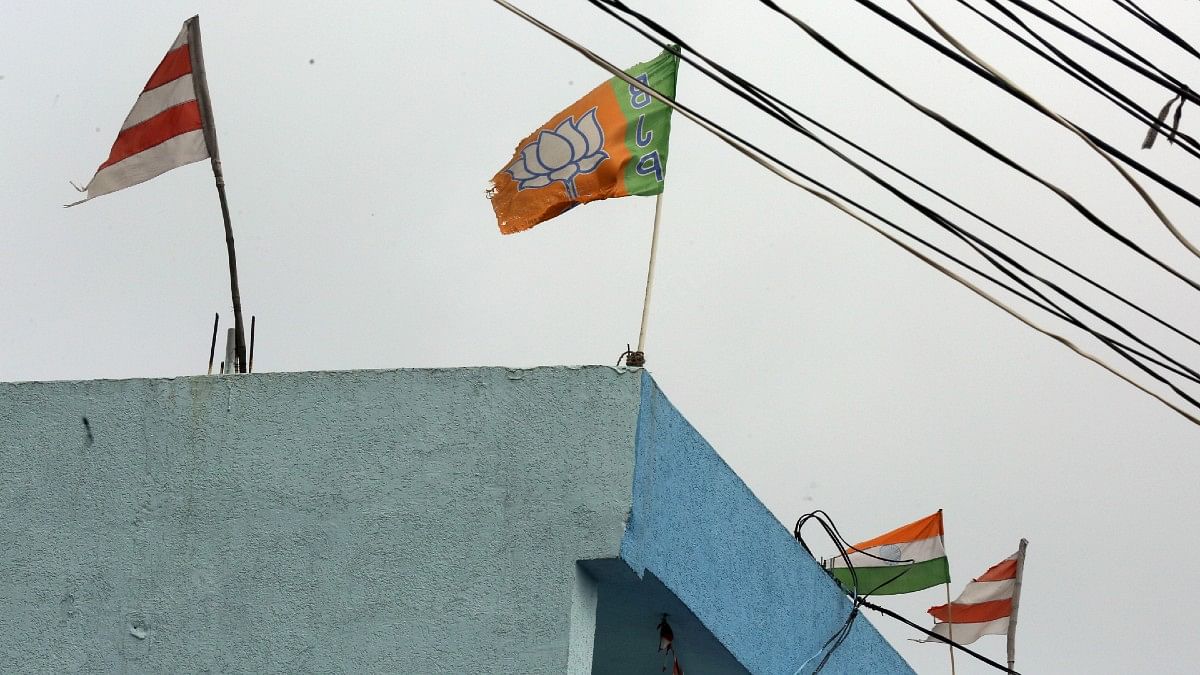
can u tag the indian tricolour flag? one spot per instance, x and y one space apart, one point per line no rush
909 558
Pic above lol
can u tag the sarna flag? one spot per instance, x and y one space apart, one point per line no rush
907 559
610 143
987 605
167 127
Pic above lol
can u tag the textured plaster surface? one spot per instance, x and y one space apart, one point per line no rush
411 521
699 530
407 521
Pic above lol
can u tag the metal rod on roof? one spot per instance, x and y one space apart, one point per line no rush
212 348
250 368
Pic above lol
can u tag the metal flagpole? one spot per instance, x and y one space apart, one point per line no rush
1016 599
639 356
210 139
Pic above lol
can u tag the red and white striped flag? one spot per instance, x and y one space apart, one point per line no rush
987 606
167 126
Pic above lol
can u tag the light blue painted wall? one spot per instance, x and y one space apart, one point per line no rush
411 521
408 521
699 529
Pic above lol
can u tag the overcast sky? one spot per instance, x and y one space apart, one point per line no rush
828 367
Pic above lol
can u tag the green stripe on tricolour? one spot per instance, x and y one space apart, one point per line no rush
879 580
649 129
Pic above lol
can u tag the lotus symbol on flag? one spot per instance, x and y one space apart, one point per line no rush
572 149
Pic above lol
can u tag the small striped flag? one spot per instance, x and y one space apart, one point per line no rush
167 126
987 605
907 559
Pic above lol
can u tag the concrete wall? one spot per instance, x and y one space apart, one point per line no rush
410 521
699 529
417 521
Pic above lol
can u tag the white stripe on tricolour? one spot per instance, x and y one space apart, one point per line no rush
966 633
917 551
182 149
150 103
986 591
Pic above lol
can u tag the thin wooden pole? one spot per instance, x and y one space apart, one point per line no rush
950 625
1016 604
650 273
210 139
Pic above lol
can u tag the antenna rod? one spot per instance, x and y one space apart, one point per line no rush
250 368
212 349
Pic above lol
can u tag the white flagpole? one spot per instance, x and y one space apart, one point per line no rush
210 139
950 626
949 602
641 346
1016 599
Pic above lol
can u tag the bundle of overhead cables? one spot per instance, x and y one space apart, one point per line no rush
999 264
861 599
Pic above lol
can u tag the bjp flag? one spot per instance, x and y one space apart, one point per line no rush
610 143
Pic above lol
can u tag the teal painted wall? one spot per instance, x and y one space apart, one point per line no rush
474 520
412 521
697 528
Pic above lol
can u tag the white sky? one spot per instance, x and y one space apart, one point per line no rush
828 367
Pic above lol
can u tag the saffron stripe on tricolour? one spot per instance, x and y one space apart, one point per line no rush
915 531
916 551
169 123
151 103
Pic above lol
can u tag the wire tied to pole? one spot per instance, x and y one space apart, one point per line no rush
954 42
633 359
1154 130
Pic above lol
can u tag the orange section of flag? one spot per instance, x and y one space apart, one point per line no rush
520 207
915 531
980 612
1001 571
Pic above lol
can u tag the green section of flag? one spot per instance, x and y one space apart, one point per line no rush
649 119
895 579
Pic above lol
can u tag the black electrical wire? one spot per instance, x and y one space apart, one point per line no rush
970 239
1082 74
976 141
1131 60
1181 90
768 99
839 636
969 65
858 600
1144 16
887 612
778 166
1116 43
